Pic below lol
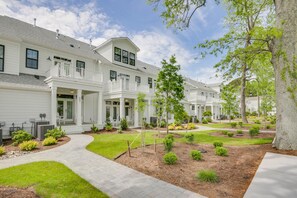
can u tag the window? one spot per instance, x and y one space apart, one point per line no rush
193 107
2 58
150 82
117 54
137 79
132 59
126 111
31 58
113 75
125 56
80 67
202 93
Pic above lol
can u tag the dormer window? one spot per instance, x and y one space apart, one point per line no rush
125 56
132 59
117 54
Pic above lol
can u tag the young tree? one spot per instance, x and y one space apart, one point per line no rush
158 103
283 50
230 104
141 105
170 86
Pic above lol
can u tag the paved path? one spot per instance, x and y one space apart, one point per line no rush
275 177
112 178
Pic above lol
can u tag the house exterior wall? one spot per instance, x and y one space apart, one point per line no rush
18 106
11 56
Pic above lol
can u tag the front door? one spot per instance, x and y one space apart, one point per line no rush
65 109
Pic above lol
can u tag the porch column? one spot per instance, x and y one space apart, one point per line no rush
136 124
200 113
149 102
196 110
78 107
54 106
99 110
122 107
211 107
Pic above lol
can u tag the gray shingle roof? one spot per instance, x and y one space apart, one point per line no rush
23 79
22 31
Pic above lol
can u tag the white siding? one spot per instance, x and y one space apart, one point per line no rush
90 108
17 106
11 57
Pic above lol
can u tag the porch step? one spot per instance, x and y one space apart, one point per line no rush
74 129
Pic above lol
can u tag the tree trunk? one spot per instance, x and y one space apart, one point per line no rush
167 131
242 95
286 109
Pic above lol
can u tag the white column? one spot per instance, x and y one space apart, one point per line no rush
54 106
136 124
78 107
196 111
200 113
212 111
149 102
122 107
99 110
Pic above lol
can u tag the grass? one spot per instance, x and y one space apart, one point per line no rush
112 145
228 125
49 179
208 176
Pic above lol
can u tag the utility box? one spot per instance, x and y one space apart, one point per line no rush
1 135
42 130
36 124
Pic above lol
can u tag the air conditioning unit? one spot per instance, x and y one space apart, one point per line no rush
1 137
42 130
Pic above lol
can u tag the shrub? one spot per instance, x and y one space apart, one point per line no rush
232 117
207 113
233 124
170 158
189 137
224 132
254 131
120 130
204 121
171 127
2 150
209 119
179 128
218 144
257 122
168 144
21 136
239 132
240 124
55 133
268 127
162 124
221 151
94 129
191 126
196 155
108 125
124 124
170 136
272 119
28 145
230 134
49 141
208 176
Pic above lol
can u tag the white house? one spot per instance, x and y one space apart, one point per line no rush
77 84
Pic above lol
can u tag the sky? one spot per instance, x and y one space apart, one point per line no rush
100 20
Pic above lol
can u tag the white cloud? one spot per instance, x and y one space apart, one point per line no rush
204 74
155 46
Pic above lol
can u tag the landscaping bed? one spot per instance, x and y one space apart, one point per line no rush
235 171
12 192
12 151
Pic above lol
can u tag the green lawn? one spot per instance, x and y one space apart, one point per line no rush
49 179
112 145
227 125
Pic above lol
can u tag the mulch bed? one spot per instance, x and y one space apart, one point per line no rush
11 192
14 151
245 135
235 171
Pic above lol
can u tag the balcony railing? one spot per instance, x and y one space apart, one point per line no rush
196 97
117 86
68 71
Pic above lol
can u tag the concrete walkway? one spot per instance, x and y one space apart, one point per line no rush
110 177
275 177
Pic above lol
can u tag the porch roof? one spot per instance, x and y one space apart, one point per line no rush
24 79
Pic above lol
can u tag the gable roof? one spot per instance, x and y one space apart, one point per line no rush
20 31
118 39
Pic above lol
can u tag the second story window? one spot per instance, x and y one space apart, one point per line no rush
1 58
117 54
137 79
80 67
113 75
125 56
202 93
150 82
31 58
132 59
